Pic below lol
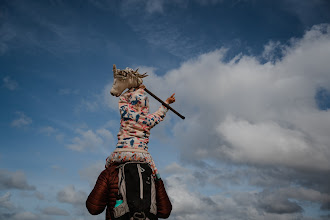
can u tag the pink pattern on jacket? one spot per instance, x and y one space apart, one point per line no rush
135 123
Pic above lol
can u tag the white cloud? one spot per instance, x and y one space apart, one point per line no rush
103 99
92 172
91 104
90 140
21 121
57 167
186 203
39 195
71 196
174 168
34 194
190 204
270 101
14 180
105 134
107 99
304 194
54 211
48 130
77 198
269 143
9 83
60 137
87 140
273 50
5 201
25 216
51 131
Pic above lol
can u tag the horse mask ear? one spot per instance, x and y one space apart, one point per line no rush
114 69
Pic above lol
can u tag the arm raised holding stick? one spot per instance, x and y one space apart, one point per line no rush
168 101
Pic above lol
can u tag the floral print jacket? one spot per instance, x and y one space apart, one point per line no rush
136 122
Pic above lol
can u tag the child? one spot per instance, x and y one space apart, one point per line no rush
135 125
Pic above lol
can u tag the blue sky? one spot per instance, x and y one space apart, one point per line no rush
250 76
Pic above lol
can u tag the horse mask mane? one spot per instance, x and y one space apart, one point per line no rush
125 79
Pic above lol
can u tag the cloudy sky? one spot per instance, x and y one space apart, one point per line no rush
252 78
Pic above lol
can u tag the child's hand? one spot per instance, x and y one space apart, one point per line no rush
142 86
171 99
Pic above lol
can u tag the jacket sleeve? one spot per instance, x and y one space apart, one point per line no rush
98 198
164 206
152 119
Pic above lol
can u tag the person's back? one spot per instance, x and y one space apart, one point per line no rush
136 122
106 189
135 126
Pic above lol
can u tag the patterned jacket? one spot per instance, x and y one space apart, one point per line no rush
135 123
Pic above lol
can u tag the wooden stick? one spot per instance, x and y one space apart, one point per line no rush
167 105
